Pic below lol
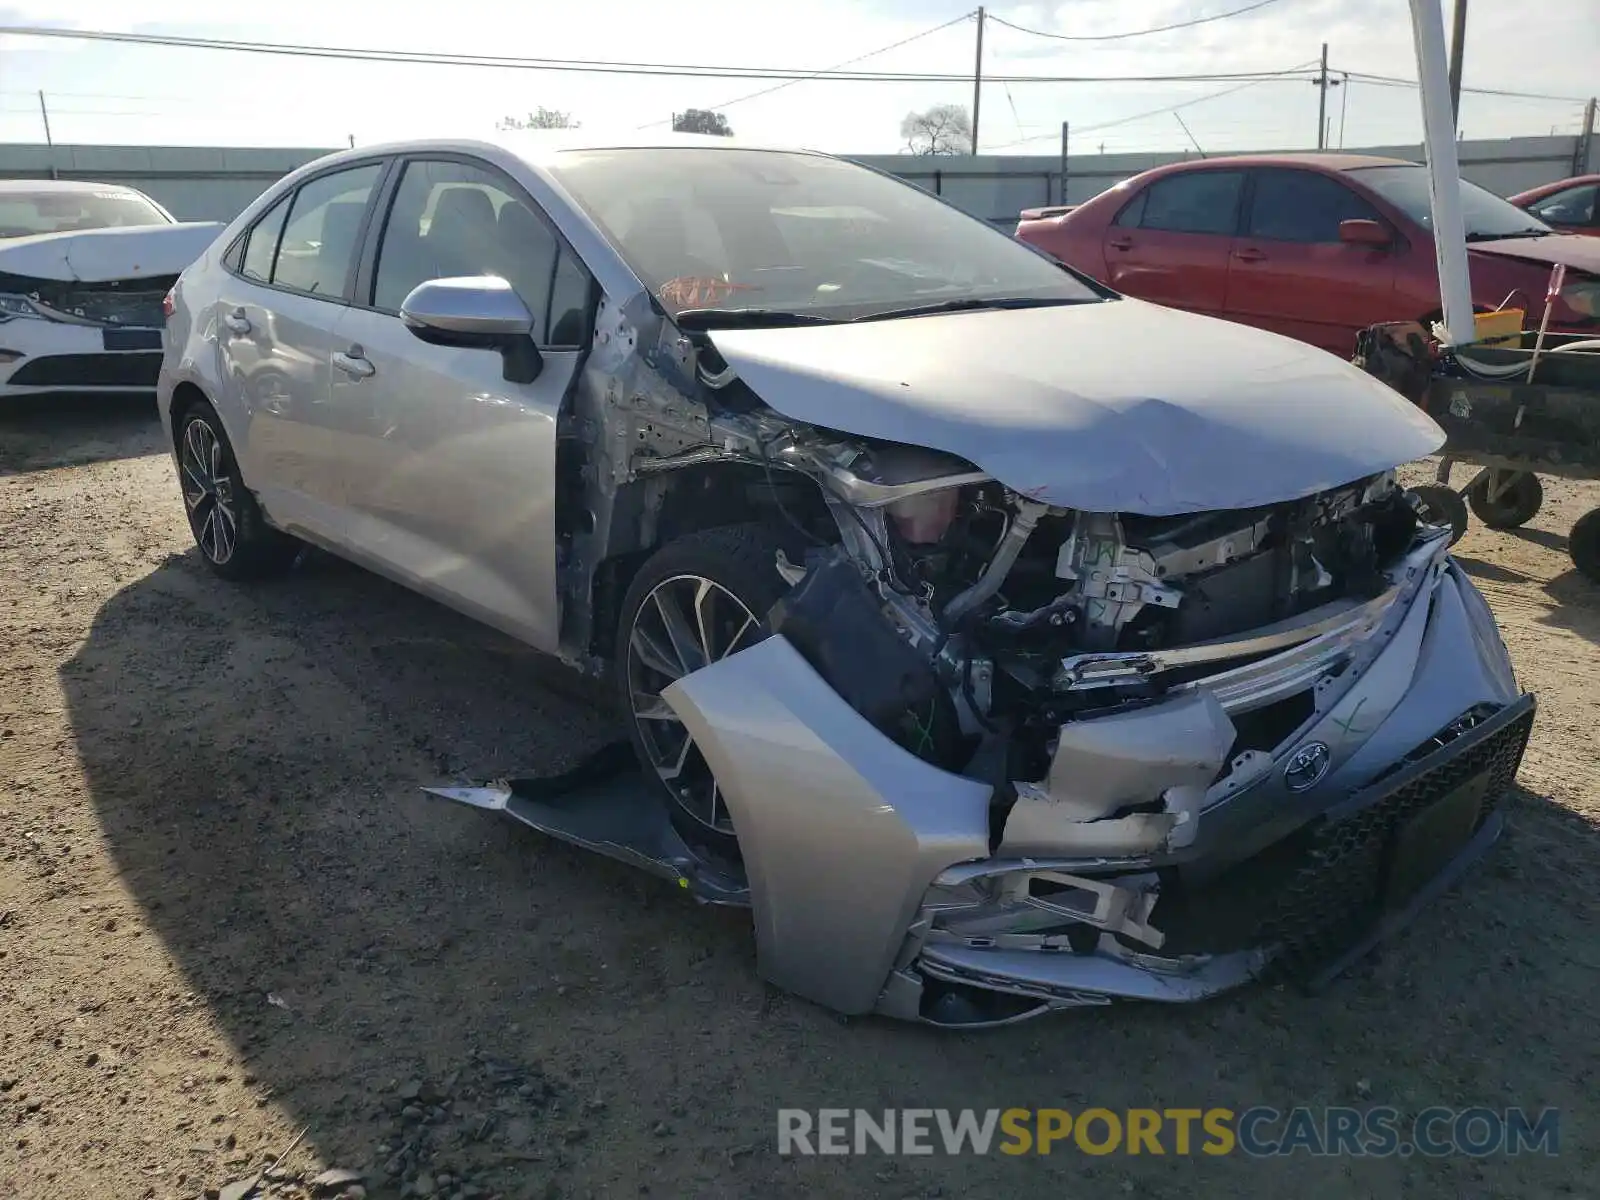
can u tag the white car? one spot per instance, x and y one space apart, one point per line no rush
84 268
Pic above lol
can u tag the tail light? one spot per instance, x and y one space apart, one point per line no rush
167 303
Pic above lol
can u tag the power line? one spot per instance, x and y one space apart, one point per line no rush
1396 81
849 62
1154 112
1133 33
591 66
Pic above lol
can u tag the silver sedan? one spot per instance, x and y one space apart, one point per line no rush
1002 643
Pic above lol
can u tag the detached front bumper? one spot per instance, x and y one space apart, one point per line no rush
881 883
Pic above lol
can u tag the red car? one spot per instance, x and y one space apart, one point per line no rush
1315 246
1567 204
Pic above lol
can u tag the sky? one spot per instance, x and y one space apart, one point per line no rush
119 94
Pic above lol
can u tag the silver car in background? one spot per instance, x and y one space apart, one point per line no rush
1004 644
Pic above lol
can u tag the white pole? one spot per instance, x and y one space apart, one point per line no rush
1444 172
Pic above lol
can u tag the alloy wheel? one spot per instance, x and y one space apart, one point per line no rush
684 623
208 492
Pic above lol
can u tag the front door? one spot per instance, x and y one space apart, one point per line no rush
1170 243
1291 273
277 317
454 493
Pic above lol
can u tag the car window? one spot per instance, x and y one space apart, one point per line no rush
1302 206
452 219
1193 202
23 214
319 239
569 302
789 232
1485 215
1570 206
261 243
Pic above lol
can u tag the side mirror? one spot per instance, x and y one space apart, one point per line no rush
481 312
1362 232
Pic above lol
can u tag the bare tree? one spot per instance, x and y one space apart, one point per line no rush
701 120
539 118
942 129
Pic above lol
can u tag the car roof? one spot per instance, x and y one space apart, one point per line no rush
542 146
33 187
1326 161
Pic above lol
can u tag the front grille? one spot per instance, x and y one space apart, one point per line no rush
1335 895
109 307
135 371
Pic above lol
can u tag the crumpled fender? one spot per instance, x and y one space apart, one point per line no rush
842 831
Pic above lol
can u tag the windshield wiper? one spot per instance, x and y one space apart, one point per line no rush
745 318
970 303
1498 237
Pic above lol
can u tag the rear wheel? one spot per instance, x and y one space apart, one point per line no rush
227 524
1441 505
1506 499
1583 543
696 600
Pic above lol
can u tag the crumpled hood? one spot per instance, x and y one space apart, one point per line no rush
1576 251
1120 406
100 255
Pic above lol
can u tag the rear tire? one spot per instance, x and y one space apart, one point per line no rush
1441 505
1583 543
1516 504
697 599
228 527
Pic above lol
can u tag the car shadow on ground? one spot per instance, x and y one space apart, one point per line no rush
574 1027
41 432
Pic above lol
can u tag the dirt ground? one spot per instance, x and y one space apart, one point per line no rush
228 915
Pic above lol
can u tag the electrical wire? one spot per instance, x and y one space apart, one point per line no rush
590 66
1154 112
1396 81
849 62
1132 33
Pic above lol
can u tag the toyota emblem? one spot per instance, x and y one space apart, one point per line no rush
1306 767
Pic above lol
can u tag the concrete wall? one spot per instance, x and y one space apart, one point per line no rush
215 183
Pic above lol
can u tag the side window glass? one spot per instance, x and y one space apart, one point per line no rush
319 239
261 243
451 219
1302 206
1194 202
569 302
1133 213
1575 206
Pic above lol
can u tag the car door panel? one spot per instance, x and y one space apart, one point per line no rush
1171 243
453 490
277 325
1289 271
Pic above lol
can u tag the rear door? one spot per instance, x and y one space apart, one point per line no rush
1291 273
1170 243
456 485
285 295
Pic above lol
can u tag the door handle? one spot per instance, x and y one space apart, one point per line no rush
1250 254
237 322
1121 243
354 362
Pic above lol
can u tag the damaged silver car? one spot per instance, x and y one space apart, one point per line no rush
1004 644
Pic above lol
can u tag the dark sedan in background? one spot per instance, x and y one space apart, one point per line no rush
1315 246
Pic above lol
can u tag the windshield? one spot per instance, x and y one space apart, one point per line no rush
26 213
1485 215
797 234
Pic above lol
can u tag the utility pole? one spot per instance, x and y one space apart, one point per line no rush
977 82
1064 128
1322 101
1581 152
45 113
1458 43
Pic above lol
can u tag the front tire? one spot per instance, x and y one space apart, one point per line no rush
1441 505
233 536
1583 543
696 600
